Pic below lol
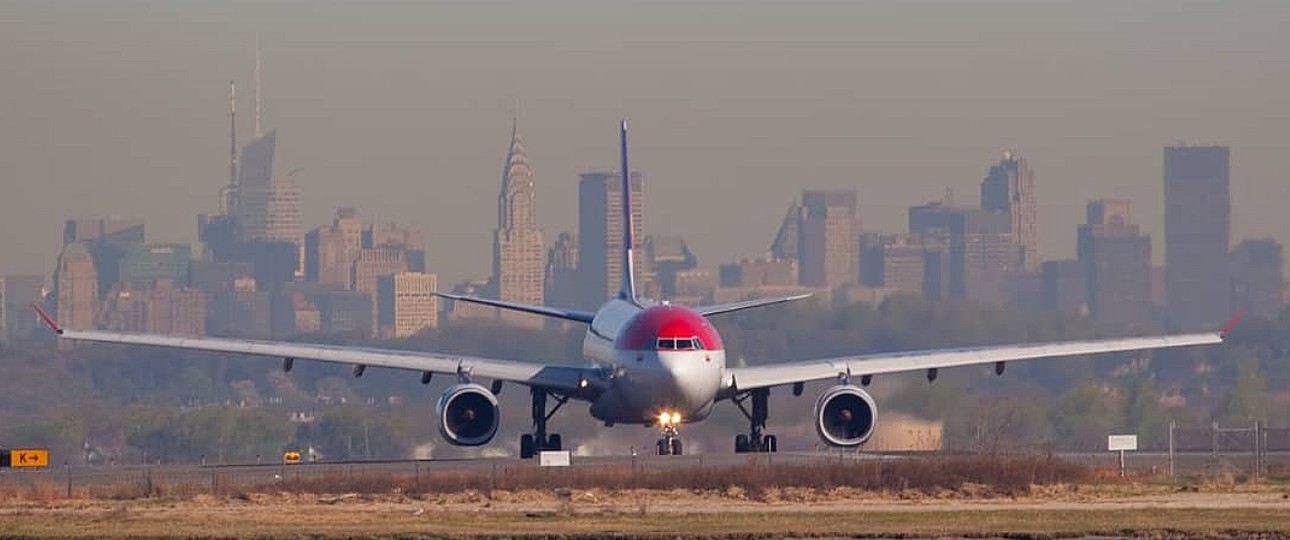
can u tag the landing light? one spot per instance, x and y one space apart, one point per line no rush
666 418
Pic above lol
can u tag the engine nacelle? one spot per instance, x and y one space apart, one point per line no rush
845 415
468 415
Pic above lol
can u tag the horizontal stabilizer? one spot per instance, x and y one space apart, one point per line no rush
566 314
718 309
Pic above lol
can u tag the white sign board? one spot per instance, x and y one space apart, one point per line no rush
554 459
1122 442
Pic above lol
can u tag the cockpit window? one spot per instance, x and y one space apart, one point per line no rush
680 344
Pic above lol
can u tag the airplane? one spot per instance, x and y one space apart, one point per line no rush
651 364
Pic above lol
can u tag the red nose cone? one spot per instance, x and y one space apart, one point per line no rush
644 330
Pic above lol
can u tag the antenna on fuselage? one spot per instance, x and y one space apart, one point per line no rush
628 289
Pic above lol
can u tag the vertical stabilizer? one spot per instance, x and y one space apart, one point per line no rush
628 290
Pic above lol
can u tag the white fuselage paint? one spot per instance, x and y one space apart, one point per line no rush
647 382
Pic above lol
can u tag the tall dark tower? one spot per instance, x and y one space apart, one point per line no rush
600 235
1197 228
518 250
1009 188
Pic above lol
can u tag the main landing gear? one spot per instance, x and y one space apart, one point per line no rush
670 444
540 440
755 441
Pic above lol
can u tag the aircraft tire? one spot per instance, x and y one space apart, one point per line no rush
553 442
527 446
741 443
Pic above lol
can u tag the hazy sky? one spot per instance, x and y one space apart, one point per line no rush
403 109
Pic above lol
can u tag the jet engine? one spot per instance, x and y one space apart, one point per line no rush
468 415
845 415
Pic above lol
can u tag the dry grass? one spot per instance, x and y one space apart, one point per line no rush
988 475
370 520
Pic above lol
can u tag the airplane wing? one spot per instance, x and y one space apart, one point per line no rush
567 314
718 309
573 380
739 379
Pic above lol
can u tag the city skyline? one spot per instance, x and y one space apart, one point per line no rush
147 139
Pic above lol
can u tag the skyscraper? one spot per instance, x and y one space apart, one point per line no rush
517 241
828 238
76 288
600 234
1197 228
1117 264
1009 188
268 206
1258 278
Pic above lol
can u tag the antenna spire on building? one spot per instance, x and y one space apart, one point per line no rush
259 87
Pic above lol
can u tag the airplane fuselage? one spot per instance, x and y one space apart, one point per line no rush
663 359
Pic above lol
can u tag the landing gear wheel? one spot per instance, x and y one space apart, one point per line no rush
669 446
755 441
676 447
527 447
533 443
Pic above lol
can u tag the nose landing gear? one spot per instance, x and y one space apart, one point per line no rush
670 444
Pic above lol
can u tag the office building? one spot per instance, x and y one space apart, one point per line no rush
1258 280
1197 232
600 235
968 252
144 264
669 256
894 262
759 274
408 304
76 290
1117 264
828 239
562 271
1009 188
371 265
243 312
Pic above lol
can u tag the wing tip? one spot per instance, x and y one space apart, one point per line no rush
1231 323
45 318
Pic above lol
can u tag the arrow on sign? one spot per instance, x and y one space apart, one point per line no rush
24 457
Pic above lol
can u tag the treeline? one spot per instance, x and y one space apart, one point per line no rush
134 404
